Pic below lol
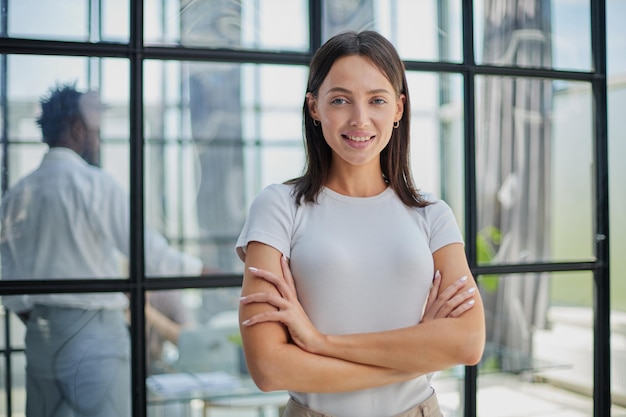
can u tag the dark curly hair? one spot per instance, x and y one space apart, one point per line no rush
60 107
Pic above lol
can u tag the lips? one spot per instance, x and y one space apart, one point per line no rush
358 138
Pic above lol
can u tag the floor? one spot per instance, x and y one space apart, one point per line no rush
501 395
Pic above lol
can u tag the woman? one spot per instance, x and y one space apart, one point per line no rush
351 332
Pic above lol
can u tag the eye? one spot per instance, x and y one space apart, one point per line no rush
338 100
379 101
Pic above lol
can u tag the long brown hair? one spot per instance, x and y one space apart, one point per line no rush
394 158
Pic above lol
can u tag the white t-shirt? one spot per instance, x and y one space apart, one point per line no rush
68 219
360 265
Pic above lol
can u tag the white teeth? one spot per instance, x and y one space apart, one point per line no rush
359 138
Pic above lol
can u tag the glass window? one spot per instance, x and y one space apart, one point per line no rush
55 223
424 30
616 38
15 330
215 135
534 158
616 34
177 323
547 34
437 136
195 355
449 384
616 93
277 25
539 337
70 20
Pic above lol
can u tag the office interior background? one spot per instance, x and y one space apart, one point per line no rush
517 122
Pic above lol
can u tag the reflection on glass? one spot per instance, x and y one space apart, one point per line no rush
63 138
449 385
547 34
205 361
616 33
533 159
539 336
422 30
78 341
17 392
70 20
210 130
12 331
265 25
437 136
615 38
167 317
185 328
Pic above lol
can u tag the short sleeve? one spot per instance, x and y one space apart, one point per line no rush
443 226
270 220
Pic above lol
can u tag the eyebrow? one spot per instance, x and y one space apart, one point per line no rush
346 91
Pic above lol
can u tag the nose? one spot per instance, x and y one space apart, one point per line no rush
359 116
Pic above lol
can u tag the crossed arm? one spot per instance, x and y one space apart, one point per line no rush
285 351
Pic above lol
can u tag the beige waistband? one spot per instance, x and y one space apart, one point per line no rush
428 408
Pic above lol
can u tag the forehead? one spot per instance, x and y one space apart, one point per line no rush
356 72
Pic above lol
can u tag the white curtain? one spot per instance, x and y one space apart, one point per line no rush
513 164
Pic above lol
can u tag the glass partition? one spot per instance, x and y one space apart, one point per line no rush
545 34
69 20
260 25
616 68
45 232
449 385
10 324
215 135
534 157
195 356
424 30
539 340
437 136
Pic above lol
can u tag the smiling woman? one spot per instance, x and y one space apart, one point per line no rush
367 323
357 107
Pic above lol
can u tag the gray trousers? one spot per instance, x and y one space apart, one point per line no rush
77 363
428 408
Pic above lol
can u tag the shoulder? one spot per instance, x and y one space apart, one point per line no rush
270 219
436 206
440 222
281 190
275 195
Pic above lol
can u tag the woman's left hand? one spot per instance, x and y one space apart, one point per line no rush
289 310
452 302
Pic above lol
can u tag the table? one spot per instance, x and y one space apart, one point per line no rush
242 400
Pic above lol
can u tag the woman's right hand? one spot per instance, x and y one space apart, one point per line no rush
288 311
451 302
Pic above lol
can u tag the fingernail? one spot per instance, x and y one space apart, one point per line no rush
463 278
471 290
437 274
242 298
471 302
252 269
284 258
245 322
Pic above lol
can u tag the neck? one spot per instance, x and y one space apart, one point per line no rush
358 183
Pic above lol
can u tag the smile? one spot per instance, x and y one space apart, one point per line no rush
359 138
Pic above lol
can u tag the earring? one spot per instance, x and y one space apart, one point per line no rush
316 122
396 124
